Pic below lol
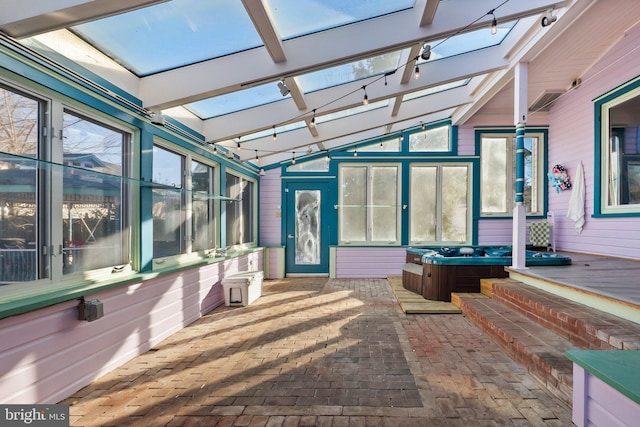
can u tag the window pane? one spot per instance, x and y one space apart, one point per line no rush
247 212
202 218
353 212
623 152
168 205
308 227
239 211
19 123
454 203
436 139
93 221
384 218
493 172
423 203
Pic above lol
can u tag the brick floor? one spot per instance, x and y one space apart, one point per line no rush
320 352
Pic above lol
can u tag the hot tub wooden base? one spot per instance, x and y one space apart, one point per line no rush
439 281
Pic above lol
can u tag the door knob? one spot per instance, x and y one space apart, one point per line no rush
290 236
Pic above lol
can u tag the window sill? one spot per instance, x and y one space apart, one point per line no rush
20 298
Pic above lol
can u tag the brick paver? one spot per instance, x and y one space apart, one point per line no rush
320 352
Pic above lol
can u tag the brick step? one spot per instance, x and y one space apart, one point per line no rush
584 326
541 351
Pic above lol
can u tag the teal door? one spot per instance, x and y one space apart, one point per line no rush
307 229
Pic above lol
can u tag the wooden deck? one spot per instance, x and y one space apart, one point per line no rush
608 284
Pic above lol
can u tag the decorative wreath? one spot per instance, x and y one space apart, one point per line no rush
559 178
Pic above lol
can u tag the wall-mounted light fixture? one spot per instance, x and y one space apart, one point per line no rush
548 18
284 90
157 118
426 52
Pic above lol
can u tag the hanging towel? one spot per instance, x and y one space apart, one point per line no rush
575 212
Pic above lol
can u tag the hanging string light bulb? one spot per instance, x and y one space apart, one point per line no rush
312 123
365 100
275 135
416 72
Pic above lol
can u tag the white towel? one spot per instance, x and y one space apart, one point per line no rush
575 212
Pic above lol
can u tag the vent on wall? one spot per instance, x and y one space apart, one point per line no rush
545 101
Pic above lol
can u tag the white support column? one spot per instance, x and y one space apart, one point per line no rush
518 250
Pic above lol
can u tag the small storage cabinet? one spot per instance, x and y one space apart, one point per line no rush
242 289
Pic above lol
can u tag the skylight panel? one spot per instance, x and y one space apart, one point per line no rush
352 111
279 129
296 18
236 101
468 42
346 73
172 34
435 89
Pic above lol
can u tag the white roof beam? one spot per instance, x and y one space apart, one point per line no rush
373 119
428 11
432 74
263 23
28 18
253 67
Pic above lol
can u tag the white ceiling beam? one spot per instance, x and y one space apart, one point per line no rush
335 98
428 11
374 119
28 18
526 49
263 22
253 67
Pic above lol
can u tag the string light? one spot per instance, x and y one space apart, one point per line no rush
425 55
238 146
494 22
293 158
355 152
312 123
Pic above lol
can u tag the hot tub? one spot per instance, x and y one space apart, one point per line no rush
436 272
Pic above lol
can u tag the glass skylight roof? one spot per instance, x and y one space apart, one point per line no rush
172 34
236 101
292 17
340 74
279 129
467 42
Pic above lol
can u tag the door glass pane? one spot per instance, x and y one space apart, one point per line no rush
307 218
19 124
384 199
201 206
168 209
93 224
423 204
240 210
454 203
353 211
493 172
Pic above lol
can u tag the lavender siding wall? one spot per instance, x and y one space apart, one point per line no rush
270 208
571 135
47 354
369 262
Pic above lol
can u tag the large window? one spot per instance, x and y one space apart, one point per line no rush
94 219
439 206
169 210
203 219
20 234
497 173
240 210
369 204
63 204
619 146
